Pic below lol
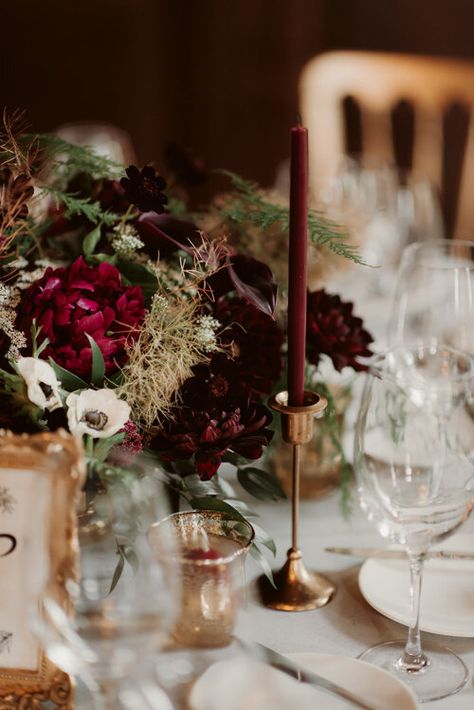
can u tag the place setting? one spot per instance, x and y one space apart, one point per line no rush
185 400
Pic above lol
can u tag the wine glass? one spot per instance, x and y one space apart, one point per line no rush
124 599
434 295
415 474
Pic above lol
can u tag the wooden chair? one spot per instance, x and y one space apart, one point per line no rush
379 83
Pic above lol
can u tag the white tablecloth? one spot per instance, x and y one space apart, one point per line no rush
347 625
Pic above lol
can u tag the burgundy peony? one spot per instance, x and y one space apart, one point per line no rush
332 330
254 341
208 434
69 302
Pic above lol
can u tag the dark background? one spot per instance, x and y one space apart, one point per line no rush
219 76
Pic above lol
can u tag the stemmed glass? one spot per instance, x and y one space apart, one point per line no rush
415 475
123 612
434 295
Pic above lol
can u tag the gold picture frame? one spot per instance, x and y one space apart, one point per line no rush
41 478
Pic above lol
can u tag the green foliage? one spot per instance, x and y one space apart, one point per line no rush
139 275
91 240
84 206
260 484
98 363
68 380
37 349
13 386
102 447
249 206
68 160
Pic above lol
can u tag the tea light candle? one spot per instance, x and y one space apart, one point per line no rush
209 550
209 600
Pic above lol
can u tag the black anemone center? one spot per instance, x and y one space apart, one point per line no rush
94 419
47 390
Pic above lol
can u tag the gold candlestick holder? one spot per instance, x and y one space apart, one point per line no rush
296 588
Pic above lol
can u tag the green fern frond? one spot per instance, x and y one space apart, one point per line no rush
249 206
81 206
68 160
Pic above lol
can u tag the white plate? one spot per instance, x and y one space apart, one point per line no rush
447 601
245 684
380 687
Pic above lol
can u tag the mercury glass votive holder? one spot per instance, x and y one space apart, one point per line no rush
210 549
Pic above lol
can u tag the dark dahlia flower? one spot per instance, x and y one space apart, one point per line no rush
144 188
254 341
207 435
332 330
214 384
70 302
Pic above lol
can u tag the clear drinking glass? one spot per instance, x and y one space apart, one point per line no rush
125 599
415 474
434 295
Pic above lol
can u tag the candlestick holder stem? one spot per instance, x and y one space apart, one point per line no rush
296 588
295 498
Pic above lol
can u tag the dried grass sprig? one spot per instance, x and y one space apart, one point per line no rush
171 340
161 359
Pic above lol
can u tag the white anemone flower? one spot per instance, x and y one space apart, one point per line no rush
99 413
41 382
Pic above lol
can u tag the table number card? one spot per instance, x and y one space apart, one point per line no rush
41 477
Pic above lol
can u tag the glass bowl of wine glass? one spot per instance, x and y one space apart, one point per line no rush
414 467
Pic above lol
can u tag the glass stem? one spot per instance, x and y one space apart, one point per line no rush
413 658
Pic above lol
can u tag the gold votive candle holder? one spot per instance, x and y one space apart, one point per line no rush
209 548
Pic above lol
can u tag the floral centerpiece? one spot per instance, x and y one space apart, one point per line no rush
142 327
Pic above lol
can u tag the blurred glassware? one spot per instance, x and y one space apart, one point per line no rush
125 599
105 139
210 549
419 210
434 295
415 476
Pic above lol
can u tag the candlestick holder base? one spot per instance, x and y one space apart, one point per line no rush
296 588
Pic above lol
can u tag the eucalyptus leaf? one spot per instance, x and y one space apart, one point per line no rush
260 484
212 503
91 240
69 381
263 562
118 569
131 557
98 363
263 538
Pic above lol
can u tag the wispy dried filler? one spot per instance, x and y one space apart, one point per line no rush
173 339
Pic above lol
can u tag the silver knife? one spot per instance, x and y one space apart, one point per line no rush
384 554
281 663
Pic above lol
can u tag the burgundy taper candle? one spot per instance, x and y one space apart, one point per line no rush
297 265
